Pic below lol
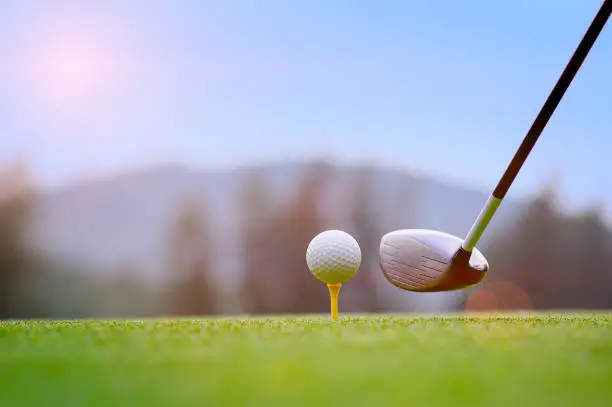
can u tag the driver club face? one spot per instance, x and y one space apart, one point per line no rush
429 261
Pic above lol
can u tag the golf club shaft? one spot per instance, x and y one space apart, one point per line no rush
538 126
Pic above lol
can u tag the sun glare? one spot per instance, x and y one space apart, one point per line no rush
71 70
73 76
67 71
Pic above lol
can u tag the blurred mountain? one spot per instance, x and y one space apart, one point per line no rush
106 222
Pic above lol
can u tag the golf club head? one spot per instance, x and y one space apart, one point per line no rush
429 261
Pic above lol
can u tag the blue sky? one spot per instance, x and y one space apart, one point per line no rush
442 87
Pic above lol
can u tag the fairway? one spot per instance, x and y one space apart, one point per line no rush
540 360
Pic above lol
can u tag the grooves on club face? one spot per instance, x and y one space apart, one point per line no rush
429 261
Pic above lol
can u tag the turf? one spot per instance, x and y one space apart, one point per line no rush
540 360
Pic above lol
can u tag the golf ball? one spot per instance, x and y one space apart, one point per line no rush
333 256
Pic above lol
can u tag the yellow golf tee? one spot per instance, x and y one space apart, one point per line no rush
334 290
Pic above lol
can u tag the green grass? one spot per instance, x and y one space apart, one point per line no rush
542 360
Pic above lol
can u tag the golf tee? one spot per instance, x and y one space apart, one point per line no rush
334 291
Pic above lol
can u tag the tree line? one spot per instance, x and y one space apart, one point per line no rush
547 259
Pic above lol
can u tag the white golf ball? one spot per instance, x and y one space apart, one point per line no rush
333 256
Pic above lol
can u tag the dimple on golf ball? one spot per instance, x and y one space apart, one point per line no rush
333 256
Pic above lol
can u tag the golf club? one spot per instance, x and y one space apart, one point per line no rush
430 261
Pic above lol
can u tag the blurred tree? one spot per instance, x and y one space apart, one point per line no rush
131 294
295 226
361 293
15 254
525 253
557 260
588 263
191 288
262 285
